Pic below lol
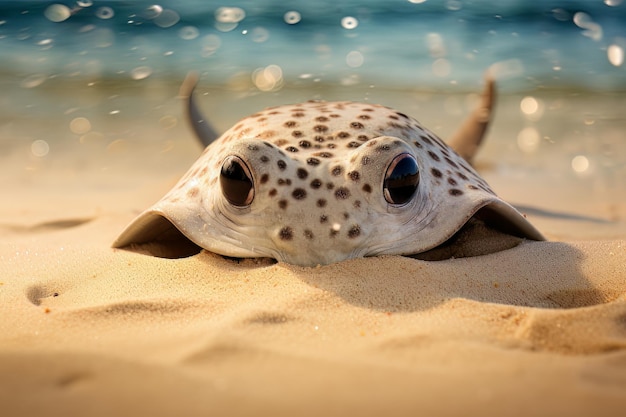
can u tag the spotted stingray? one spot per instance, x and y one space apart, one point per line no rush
322 182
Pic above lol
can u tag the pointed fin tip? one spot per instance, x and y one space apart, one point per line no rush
189 85
205 132
468 138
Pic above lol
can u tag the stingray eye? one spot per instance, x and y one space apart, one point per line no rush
236 182
401 179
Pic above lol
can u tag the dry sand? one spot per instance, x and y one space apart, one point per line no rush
87 330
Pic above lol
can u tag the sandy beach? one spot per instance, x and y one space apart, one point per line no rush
89 330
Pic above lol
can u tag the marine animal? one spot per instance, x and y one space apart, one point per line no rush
321 182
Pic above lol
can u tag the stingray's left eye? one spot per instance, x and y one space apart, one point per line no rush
236 182
401 179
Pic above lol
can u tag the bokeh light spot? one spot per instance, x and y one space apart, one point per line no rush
141 72
105 12
615 53
57 13
269 78
167 18
292 17
260 35
33 81
354 59
580 164
40 148
528 140
153 11
80 125
230 14
188 33
349 22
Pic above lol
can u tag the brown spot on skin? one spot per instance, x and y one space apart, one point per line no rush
333 232
283 181
330 185
302 173
282 165
383 148
368 109
331 146
343 135
320 128
462 176
434 156
319 138
472 187
321 203
323 218
336 171
367 188
451 163
193 192
323 155
436 173
292 149
365 160
342 193
315 184
298 114
455 192
286 233
299 194
281 142
426 140
354 175
356 125
353 144
264 178
313 161
418 145
346 216
268 134
272 192
283 204
264 158
253 147
363 138
452 181
304 144
364 117
402 115
357 204
354 231
394 117
297 134
308 234
322 119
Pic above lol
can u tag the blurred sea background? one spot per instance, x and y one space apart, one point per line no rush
425 44
97 79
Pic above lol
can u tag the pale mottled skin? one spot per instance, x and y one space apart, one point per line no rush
318 172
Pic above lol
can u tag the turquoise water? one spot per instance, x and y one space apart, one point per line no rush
389 43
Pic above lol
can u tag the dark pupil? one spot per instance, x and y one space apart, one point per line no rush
236 183
402 181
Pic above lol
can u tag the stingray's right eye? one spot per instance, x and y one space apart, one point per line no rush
236 182
401 179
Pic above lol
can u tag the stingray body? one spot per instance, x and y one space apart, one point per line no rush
321 182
